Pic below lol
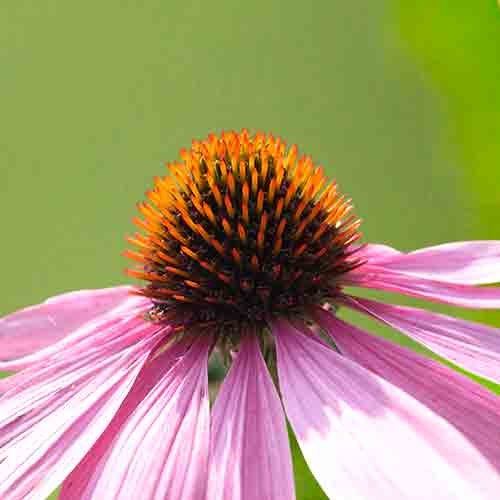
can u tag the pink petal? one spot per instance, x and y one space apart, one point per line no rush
250 454
378 278
27 336
364 438
161 450
36 392
375 253
471 408
77 482
468 262
46 434
472 346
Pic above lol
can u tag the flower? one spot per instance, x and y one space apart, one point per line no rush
246 251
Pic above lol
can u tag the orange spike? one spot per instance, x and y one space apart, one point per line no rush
137 242
272 190
260 201
223 170
193 284
231 184
175 233
320 253
215 191
194 189
187 251
183 153
251 162
167 258
255 181
182 298
243 170
320 231
244 212
207 266
209 213
147 226
290 192
254 263
328 195
187 219
229 206
156 239
134 273
263 223
242 233
227 227
198 205
300 230
300 209
245 191
264 167
260 241
217 246
204 234
281 228
149 212
300 250
236 256
277 246
174 270
135 256
210 167
279 209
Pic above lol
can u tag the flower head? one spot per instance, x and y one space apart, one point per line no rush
247 251
241 231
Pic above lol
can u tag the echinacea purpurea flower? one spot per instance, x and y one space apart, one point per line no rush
247 251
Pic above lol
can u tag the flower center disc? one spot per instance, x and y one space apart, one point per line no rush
240 230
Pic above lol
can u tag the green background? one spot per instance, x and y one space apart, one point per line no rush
399 100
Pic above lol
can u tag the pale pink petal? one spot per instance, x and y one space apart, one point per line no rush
472 346
470 407
37 391
28 335
364 438
379 278
250 455
161 450
77 482
468 262
34 460
376 253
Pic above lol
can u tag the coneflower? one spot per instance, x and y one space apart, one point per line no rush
246 251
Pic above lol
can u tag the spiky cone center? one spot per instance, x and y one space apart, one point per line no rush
241 230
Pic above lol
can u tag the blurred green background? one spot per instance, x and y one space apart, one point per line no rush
400 100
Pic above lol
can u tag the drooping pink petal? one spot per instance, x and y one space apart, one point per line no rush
161 450
48 427
250 454
27 336
379 278
472 346
467 262
471 408
364 438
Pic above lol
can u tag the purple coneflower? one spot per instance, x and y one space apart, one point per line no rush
246 251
